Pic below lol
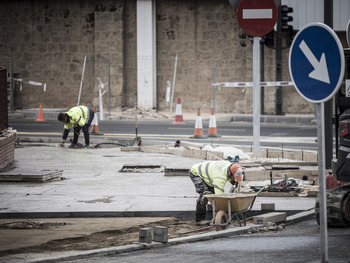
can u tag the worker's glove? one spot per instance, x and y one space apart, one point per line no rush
204 200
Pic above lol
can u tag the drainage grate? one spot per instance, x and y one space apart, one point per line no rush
142 168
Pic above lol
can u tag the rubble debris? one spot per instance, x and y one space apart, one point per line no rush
29 224
269 226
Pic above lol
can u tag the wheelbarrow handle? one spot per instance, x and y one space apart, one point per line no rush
262 189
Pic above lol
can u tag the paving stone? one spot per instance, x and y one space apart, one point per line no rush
268 207
145 235
160 234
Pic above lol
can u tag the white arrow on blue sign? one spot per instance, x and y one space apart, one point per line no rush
316 62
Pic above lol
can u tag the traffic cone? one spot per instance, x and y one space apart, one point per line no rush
212 125
178 113
198 129
40 115
94 124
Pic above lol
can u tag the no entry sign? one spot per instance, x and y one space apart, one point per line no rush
257 17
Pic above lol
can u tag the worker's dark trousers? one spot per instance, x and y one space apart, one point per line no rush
201 187
85 129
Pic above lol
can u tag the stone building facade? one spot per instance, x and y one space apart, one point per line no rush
47 41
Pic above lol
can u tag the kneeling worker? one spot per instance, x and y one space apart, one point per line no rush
78 118
209 178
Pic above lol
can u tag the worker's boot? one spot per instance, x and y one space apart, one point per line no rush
73 146
203 223
204 200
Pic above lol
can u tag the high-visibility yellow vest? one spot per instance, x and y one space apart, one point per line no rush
78 116
213 173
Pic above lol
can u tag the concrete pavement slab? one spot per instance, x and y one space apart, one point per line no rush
93 183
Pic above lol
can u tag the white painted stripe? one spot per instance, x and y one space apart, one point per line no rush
257 13
198 124
250 84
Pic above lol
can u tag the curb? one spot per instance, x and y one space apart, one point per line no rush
52 115
175 241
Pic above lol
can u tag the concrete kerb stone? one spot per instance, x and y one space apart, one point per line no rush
274 217
175 241
51 114
300 216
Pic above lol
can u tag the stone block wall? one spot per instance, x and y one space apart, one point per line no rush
108 53
48 40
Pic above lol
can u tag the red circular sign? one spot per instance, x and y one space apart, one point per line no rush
257 17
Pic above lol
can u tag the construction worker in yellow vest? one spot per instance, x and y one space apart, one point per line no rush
210 178
78 118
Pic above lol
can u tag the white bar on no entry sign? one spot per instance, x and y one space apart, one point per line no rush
257 13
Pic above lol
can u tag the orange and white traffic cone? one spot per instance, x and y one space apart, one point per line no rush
40 115
198 128
212 125
178 113
94 125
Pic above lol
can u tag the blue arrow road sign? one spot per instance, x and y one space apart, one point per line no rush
316 62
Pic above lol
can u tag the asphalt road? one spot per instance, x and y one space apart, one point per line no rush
299 242
272 135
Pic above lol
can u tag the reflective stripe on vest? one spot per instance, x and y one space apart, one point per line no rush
206 172
83 114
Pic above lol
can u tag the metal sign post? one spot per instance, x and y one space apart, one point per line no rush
322 181
256 96
316 65
256 18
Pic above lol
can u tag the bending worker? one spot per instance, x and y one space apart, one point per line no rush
78 118
209 178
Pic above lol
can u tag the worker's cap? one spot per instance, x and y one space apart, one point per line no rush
237 172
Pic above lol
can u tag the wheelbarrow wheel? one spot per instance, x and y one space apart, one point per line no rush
221 218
